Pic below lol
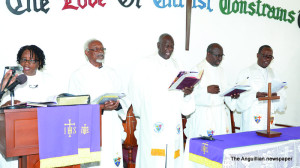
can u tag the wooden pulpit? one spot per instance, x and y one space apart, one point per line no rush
19 136
268 133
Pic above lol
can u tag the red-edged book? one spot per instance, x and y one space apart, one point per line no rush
186 79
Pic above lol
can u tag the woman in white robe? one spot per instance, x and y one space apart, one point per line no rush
39 86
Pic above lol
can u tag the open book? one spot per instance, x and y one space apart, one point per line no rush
108 97
186 79
275 86
36 104
236 89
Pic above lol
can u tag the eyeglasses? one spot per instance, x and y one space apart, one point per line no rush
218 56
97 49
267 56
24 60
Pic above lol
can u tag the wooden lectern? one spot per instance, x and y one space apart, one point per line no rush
19 136
268 133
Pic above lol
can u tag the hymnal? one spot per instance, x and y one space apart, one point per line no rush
235 90
275 86
186 79
108 97
36 104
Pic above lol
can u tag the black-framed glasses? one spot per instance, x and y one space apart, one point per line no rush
218 55
24 60
97 49
267 56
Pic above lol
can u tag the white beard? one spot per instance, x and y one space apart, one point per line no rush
100 60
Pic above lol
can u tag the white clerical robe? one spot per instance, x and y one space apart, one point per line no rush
212 115
38 88
96 82
254 112
160 136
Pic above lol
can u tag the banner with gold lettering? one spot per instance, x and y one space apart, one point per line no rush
69 135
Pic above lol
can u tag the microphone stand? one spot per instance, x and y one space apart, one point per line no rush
12 95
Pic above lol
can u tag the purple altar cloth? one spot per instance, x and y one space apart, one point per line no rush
64 129
214 150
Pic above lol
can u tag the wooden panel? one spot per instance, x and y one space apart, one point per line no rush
21 132
32 161
26 128
19 136
2 133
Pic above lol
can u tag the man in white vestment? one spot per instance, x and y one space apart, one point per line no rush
254 112
95 79
212 115
39 87
160 136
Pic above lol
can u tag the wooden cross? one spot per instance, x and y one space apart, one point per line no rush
188 23
268 133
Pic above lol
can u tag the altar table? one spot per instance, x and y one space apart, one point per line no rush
245 149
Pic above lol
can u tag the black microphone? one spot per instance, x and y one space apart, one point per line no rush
21 79
16 68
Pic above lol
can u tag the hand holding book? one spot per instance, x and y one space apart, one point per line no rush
108 97
186 79
111 105
235 90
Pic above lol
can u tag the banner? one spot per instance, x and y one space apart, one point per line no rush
68 135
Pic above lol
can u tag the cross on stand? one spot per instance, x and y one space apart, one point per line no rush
268 133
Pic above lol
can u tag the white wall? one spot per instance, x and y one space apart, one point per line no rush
131 33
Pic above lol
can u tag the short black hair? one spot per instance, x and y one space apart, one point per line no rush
39 54
210 47
162 36
262 47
